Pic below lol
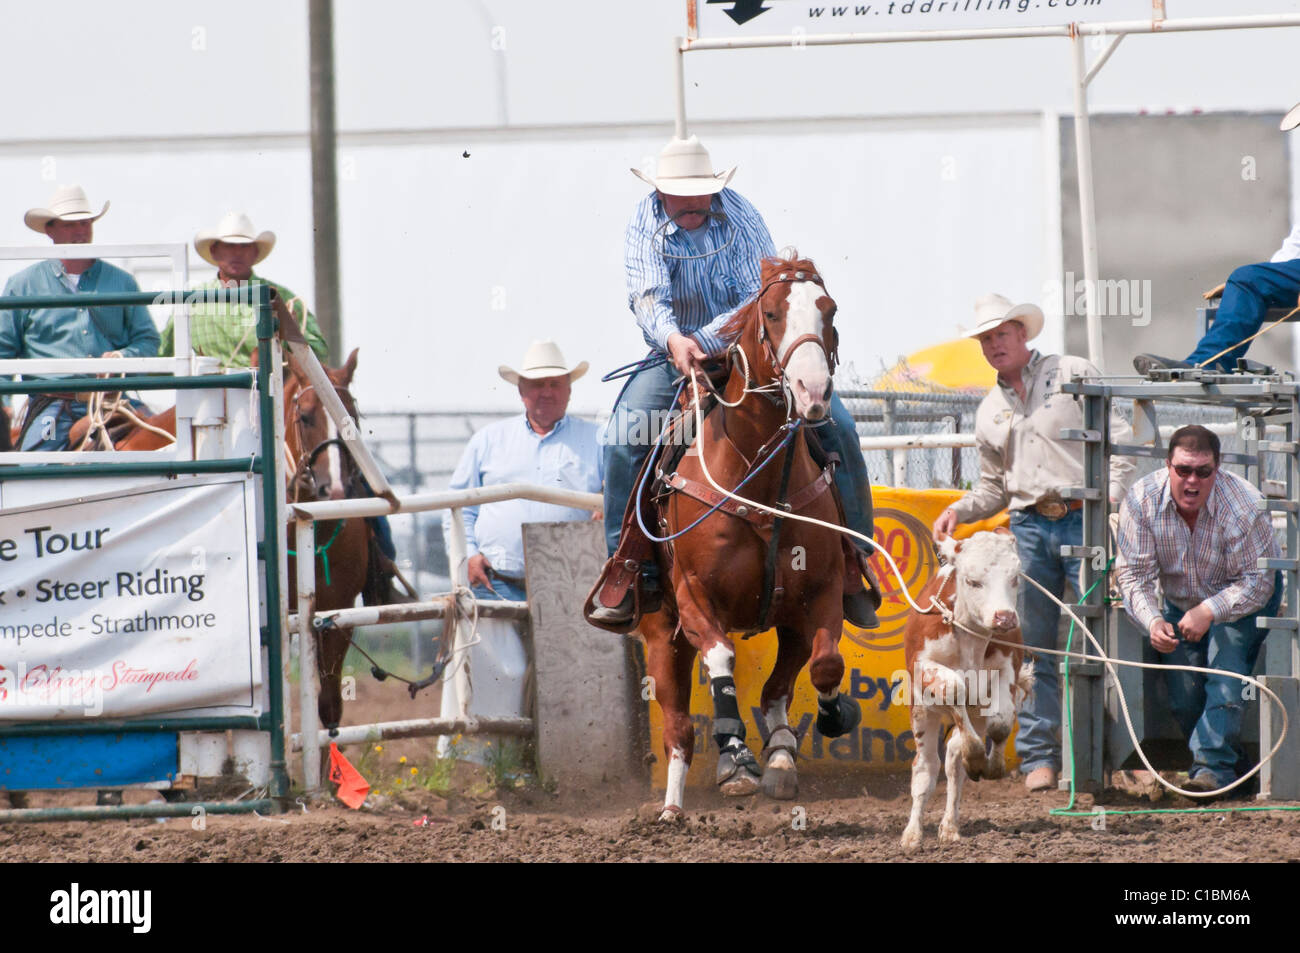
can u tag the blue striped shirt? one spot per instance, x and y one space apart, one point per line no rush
570 457
694 296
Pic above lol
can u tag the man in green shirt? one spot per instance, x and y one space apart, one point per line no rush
228 331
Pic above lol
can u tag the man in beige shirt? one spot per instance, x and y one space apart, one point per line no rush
1024 464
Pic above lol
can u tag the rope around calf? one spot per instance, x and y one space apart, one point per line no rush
1102 657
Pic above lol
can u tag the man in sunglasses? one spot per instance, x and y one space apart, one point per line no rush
1197 532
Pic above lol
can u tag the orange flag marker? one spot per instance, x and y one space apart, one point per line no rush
353 788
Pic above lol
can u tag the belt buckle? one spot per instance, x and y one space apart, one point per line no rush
1052 509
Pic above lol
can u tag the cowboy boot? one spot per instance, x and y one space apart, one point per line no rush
861 600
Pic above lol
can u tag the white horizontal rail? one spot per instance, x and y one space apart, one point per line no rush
88 456
420 728
414 612
177 251
1121 27
917 441
423 502
89 366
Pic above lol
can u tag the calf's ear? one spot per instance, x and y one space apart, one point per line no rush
948 549
1003 531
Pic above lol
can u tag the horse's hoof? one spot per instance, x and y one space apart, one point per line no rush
911 837
672 814
838 717
738 774
782 784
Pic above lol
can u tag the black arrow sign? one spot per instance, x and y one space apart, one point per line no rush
742 11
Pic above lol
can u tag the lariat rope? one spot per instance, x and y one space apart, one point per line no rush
950 619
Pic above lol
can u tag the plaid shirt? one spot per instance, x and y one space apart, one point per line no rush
675 286
229 331
1214 564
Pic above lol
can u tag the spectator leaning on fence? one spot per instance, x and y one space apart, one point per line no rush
1023 464
228 331
543 446
1196 532
102 331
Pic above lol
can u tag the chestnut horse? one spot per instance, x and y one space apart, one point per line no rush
714 574
321 468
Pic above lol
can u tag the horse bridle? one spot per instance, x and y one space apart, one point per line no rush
305 463
778 360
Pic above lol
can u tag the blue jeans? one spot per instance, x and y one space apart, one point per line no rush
1209 708
1251 290
49 431
505 589
1039 541
631 433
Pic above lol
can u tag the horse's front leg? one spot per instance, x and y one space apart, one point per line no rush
780 779
738 773
669 658
837 713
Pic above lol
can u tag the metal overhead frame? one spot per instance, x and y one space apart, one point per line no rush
1097 734
1081 73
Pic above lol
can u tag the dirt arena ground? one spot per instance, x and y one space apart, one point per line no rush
854 818
844 821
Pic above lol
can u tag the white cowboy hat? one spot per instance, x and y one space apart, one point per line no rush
543 359
237 229
1292 118
684 168
69 204
993 310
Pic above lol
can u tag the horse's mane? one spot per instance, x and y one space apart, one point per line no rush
770 268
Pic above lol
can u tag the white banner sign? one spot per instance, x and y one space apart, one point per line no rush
130 605
732 18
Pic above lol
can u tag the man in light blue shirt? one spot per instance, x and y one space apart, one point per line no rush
694 253
107 331
543 446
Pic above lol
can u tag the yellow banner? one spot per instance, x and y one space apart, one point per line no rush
873 660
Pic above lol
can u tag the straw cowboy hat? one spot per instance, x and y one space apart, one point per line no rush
993 310
69 204
1292 118
543 359
684 168
237 229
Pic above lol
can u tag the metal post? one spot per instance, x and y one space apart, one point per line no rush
417 538
1087 210
308 716
679 87
271 529
324 179
888 418
457 552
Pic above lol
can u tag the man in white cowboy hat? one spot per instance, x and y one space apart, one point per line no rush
104 331
228 331
542 445
693 256
1023 464
1245 299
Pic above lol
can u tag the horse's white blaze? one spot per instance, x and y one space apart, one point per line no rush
676 779
332 454
805 368
719 661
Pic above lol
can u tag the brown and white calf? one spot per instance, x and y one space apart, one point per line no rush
959 675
